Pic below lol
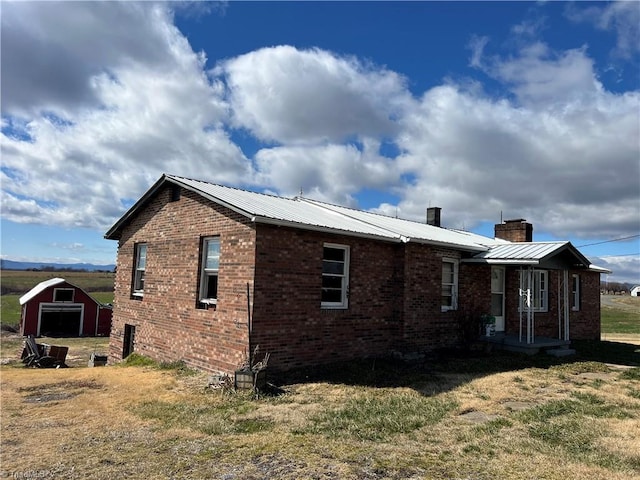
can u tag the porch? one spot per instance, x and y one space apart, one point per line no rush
512 343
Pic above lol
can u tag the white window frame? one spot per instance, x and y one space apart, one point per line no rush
454 286
344 284
575 292
208 271
539 291
55 294
139 269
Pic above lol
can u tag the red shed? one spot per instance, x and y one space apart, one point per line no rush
55 307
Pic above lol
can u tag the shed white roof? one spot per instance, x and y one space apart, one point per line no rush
41 287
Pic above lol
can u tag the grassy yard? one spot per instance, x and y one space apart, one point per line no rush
499 416
620 314
478 417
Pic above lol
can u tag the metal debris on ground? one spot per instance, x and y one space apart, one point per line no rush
43 355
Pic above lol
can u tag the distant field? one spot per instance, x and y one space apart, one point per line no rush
21 281
620 314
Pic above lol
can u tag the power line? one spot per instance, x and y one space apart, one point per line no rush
609 241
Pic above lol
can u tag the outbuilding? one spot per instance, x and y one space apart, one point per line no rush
56 307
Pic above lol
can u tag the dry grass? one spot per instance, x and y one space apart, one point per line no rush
556 421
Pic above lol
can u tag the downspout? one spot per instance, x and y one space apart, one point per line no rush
566 305
559 311
530 317
249 328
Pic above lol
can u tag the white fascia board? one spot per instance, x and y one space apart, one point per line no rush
498 261
595 268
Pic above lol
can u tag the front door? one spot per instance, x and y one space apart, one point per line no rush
497 296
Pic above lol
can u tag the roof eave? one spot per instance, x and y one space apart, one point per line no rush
452 245
501 261
320 228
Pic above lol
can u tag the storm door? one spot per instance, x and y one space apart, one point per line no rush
497 296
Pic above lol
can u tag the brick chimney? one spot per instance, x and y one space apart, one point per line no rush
517 230
433 216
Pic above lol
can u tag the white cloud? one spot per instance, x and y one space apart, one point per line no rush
621 17
562 152
286 95
571 169
626 269
326 172
145 115
540 77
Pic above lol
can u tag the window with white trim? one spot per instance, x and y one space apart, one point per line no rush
575 292
209 270
539 290
335 276
63 294
139 269
449 284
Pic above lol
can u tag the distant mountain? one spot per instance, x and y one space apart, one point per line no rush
90 267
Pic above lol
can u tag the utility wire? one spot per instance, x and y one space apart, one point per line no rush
609 241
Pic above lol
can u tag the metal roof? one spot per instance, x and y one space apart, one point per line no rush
310 214
534 251
41 287
313 215
414 231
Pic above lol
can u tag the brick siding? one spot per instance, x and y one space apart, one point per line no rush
394 304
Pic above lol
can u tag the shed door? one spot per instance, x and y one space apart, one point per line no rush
497 296
60 321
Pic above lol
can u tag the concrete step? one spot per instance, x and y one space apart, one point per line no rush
561 352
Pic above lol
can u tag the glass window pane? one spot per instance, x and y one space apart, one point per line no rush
447 272
331 295
336 254
496 304
332 267
213 254
142 256
332 282
211 289
447 301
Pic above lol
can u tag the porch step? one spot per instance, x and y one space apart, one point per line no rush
564 351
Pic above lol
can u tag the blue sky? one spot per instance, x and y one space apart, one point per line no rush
525 110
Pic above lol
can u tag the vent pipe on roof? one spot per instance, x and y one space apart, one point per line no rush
433 216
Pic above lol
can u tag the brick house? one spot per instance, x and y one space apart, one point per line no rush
206 272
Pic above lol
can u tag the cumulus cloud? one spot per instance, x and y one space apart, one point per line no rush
139 116
286 95
327 172
626 269
554 146
51 50
621 17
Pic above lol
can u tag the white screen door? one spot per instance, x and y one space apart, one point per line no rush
497 296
